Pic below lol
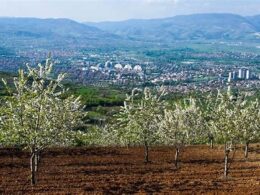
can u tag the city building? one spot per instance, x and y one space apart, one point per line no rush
230 76
248 74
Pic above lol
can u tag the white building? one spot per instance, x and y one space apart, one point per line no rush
118 67
128 67
230 76
138 68
242 73
94 68
248 74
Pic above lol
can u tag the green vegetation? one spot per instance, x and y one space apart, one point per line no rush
94 96
35 115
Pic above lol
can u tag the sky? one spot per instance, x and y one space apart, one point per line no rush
117 10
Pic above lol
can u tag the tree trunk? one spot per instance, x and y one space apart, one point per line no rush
226 161
37 161
211 143
246 150
176 157
146 152
210 139
33 170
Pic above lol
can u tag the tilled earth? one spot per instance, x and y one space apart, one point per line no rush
123 171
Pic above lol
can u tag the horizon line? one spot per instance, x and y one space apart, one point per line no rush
157 18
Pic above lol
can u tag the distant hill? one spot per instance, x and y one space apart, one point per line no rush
187 27
50 32
255 20
20 33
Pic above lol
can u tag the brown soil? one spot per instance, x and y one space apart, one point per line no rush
123 171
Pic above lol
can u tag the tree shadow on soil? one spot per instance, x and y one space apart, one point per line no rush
96 164
14 165
99 172
248 160
202 161
135 188
13 152
254 150
246 168
84 152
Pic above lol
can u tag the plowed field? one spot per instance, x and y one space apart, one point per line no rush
123 171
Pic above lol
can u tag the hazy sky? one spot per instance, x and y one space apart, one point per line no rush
106 10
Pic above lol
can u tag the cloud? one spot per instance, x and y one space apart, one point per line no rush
145 1
161 1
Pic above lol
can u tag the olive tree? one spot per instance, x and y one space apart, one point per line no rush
248 124
225 123
125 125
208 105
192 121
38 114
180 125
138 118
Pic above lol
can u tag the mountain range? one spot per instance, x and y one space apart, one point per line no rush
65 32
51 32
187 27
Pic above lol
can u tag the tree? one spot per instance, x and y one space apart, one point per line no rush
138 118
125 124
248 124
208 105
180 125
192 121
226 122
37 114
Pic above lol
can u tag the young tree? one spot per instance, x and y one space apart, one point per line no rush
125 125
180 125
248 124
192 121
138 118
38 114
208 105
225 123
